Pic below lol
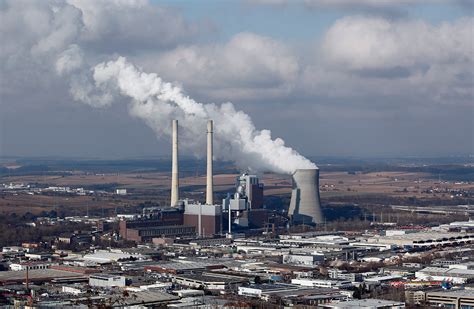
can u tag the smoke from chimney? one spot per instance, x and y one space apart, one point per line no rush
156 102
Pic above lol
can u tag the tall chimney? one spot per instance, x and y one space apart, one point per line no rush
209 184
174 170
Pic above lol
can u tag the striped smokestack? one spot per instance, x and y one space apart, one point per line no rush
209 183
174 170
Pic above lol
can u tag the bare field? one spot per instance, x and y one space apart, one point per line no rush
35 204
155 186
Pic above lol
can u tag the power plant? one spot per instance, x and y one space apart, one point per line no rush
305 207
243 210
206 218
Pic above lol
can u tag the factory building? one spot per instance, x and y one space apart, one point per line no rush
425 239
305 207
162 221
451 299
147 234
245 208
452 274
365 303
107 281
249 187
248 195
206 219
210 281
183 218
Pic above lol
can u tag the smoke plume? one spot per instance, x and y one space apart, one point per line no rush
158 102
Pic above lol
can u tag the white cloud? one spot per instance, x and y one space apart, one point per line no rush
41 39
69 60
33 34
367 3
361 63
371 43
412 60
131 25
350 4
387 8
246 66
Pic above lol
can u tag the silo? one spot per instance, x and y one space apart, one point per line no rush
305 206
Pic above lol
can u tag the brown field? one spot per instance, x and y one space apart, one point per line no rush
155 186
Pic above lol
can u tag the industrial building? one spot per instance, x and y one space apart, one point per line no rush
248 195
429 239
183 266
166 222
184 218
263 290
38 276
320 283
147 234
245 209
206 219
457 299
303 259
210 281
365 303
291 295
451 274
107 281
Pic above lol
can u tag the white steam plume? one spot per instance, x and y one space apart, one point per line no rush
157 102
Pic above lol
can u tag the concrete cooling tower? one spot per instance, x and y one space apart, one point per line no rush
304 205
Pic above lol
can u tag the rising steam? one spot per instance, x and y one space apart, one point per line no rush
157 102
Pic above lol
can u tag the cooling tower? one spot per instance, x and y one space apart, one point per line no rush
304 205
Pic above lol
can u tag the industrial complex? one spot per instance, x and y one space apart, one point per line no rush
242 210
230 249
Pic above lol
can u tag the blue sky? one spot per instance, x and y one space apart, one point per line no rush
293 20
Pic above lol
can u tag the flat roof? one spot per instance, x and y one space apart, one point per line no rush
150 296
109 256
423 235
466 273
181 266
272 287
453 293
105 276
208 277
38 275
306 292
364 303
383 278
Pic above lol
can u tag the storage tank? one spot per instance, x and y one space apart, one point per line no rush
305 206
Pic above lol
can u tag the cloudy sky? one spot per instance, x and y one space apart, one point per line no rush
330 77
